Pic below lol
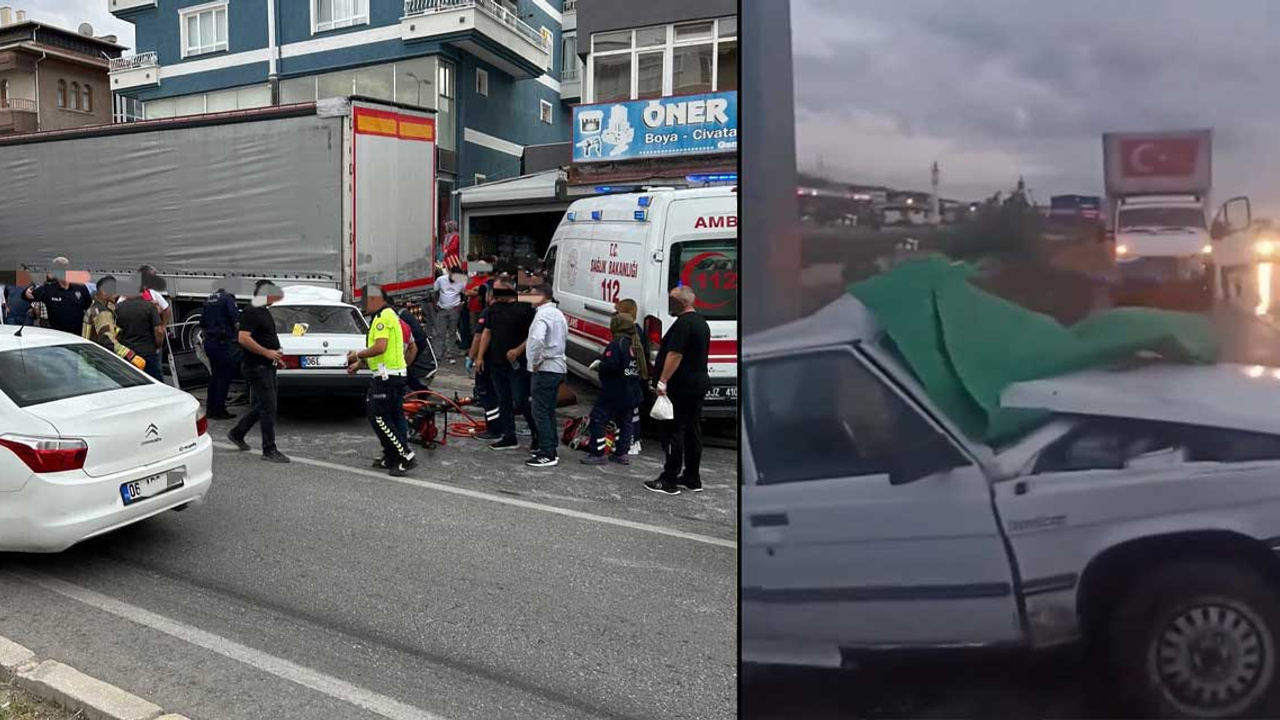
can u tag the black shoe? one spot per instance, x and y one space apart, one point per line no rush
665 488
275 456
238 441
690 485
401 469
379 464
542 461
221 416
505 444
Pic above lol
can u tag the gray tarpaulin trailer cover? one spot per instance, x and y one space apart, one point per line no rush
258 193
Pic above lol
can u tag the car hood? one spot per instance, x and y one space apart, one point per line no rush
1238 397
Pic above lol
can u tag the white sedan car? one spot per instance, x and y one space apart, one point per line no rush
88 443
316 330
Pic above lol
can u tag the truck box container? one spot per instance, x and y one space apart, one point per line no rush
1158 163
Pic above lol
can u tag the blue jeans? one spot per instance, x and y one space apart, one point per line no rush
545 391
154 367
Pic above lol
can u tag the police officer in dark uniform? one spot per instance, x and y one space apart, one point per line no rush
219 319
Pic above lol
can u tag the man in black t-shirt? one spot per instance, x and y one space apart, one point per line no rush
682 376
257 336
502 356
139 329
65 302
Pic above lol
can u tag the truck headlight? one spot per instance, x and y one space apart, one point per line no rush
1206 250
1265 248
1122 250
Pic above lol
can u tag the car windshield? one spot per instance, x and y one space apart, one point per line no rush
331 319
1162 217
45 374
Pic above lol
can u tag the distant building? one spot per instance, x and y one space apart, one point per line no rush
51 78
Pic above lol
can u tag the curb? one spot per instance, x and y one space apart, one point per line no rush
71 689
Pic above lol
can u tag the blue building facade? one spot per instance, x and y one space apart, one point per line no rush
490 68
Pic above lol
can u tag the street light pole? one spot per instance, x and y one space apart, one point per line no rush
769 230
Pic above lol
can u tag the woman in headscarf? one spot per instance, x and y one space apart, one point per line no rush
627 306
619 368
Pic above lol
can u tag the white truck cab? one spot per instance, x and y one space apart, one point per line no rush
1144 515
639 246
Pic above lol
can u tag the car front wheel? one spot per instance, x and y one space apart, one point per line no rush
1198 639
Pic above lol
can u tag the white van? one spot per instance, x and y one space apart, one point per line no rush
639 246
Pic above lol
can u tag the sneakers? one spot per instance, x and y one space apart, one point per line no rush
238 441
505 444
542 461
635 448
620 459
690 485
275 456
381 464
594 460
402 468
660 486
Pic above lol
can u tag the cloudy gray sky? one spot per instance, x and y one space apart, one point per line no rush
70 13
994 88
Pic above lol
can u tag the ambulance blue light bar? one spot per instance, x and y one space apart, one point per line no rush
611 189
712 178
596 214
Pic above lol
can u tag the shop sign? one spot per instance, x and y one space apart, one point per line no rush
662 127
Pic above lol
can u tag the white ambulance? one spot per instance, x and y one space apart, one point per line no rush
639 246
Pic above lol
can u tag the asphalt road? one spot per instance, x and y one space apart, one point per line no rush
475 588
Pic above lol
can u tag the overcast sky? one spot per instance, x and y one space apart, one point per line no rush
70 13
996 88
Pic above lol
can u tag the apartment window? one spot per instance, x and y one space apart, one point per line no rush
204 29
482 82
679 59
545 111
479 179
88 98
62 93
333 14
4 92
446 116
75 95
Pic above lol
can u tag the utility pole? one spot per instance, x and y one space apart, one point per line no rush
769 230
935 215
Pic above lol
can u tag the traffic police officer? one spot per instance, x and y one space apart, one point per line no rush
384 403
219 319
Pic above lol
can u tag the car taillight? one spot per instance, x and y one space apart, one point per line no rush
653 328
47 455
292 362
202 425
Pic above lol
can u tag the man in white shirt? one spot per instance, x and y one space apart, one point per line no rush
545 350
449 303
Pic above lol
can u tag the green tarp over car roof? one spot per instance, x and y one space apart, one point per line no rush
966 345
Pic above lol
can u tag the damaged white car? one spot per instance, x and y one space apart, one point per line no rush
1143 515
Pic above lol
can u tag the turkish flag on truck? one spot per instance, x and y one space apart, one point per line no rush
1158 157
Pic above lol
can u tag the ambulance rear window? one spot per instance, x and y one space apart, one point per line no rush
710 267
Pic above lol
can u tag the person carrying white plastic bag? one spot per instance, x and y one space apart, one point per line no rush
663 409
682 382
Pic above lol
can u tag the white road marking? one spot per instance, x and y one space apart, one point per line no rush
514 502
281 668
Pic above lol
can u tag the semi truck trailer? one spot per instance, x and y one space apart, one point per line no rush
336 193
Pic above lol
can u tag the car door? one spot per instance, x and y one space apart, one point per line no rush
865 524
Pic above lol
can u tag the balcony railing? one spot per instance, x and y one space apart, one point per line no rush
570 6
18 105
134 62
569 74
417 8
